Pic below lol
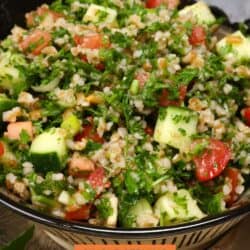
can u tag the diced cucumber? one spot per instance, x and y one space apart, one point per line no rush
48 151
100 14
235 45
134 87
141 215
175 207
200 11
192 208
8 159
64 198
111 221
175 126
71 124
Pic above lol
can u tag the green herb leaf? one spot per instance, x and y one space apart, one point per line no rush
21 241
104 208
24 137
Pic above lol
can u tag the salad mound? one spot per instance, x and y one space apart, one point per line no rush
125 113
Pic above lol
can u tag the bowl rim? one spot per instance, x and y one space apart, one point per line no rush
116 233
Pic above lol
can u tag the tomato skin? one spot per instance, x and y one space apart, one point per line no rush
153 3
213 161
88 133
90 41
96 178
82 213
246 115
198 36
149 131
164 101
233 175
39 38
172 4
1 149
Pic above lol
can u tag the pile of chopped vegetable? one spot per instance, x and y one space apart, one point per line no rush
125 113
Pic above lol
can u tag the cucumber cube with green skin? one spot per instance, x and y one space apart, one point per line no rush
12 78
111 220
141 215
175 126
100 14
236 46
48 151
174 207
200 11
72 125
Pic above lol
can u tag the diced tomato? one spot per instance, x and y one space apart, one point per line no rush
142 77
36 41
198 36
233 175
164 101
246 115
82 213
149 131
1 149
14 129
80 165
100 66
172 4
182 92
96 178
213 161
41 12
90 41
89 133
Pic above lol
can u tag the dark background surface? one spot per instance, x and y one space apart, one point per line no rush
12 11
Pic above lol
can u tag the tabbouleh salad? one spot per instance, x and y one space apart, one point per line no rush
125 113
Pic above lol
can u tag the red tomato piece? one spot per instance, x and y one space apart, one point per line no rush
213 161
172 4
82 213
198 36
36 41
89 133
233 175
149 131
164 101
100 66
41 12
246 115
153 3
1 149
96 178
90 41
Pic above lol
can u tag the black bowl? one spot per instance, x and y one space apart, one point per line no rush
193 234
